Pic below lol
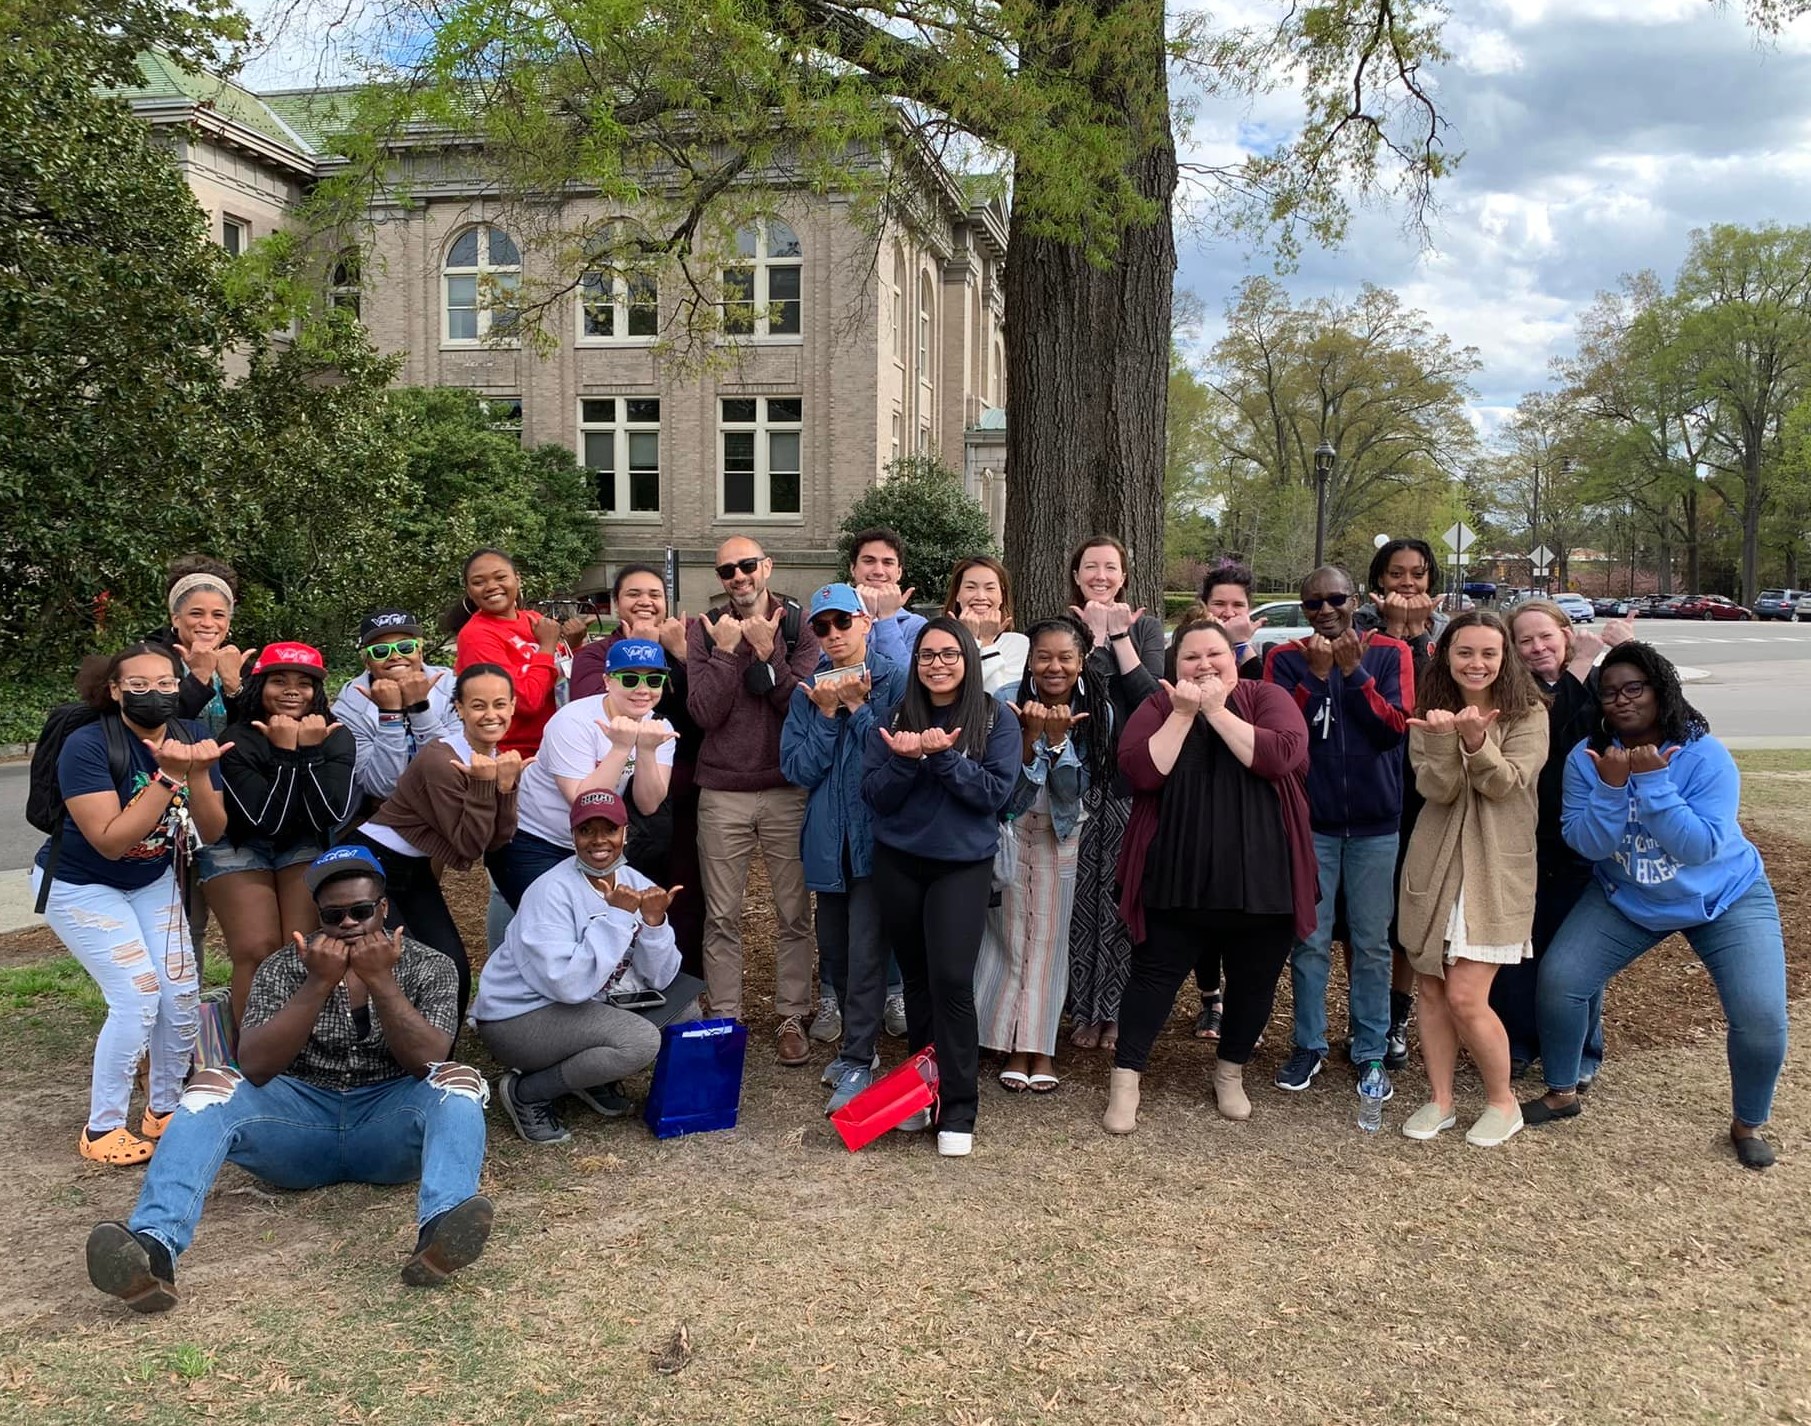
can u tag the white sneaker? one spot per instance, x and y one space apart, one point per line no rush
914 1123
952 1145
894 1016
827 1024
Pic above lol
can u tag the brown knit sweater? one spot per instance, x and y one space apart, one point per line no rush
453 817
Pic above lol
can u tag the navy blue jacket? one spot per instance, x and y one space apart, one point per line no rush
946 806
824 756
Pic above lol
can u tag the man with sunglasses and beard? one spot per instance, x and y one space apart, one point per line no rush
744 659
343 1077
1352 689
397 706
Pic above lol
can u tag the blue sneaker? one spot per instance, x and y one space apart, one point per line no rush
1299 1069
851 1082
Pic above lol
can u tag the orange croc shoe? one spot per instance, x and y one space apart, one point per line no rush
121 1149
153 1124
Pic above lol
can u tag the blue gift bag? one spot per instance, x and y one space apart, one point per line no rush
697 1078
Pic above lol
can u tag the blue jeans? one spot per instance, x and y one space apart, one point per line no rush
1367 867
1743 951
296 1135
520 862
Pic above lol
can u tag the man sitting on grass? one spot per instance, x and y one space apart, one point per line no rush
343 1078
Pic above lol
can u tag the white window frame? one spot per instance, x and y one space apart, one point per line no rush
620 428
487 274
899 307
345 283
764 428
896 431
927 347
762 266
231 224
623 280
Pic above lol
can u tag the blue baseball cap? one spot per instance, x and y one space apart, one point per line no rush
836 597
342 861
634 653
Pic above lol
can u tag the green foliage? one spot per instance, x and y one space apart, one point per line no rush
923 500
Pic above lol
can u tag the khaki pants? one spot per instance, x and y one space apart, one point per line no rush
731 825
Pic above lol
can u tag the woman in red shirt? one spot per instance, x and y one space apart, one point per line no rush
492 628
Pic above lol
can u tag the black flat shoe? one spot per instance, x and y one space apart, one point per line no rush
1753 1151
1539 1111
134 1267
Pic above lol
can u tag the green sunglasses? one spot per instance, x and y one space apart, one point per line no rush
635 680
405 647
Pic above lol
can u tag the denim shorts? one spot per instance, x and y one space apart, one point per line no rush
222 858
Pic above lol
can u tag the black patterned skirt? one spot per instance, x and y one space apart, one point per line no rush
1100 951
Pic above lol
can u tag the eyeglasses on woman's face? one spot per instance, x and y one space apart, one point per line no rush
150 685
1623 692
928 657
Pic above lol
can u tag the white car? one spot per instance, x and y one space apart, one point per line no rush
1283 621
1801 612
1578 608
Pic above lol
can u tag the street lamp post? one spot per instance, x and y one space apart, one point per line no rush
1323 468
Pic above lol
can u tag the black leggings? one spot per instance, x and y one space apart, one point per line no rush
416 904
934 911
1253 950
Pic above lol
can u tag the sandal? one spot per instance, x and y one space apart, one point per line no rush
1207 1023
120 1149
1014 1081
1044 1083
1086 1036
153 1124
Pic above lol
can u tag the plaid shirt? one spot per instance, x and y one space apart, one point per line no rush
335 1057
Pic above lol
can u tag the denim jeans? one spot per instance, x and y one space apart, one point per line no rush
1367 868
1743 951
296 1135
1562 880
519 863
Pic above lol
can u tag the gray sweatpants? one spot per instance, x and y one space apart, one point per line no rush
560 1048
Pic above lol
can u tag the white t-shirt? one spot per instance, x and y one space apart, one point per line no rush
572 746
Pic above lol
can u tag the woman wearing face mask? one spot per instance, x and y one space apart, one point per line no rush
288 781
202 594
936 775
1022 974
1651 801
1476 748
114 898
1127 655
980 598
455 801
1218 857
492 627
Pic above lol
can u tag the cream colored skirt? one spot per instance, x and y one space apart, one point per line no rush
1460 948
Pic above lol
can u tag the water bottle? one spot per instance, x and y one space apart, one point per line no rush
1373 1086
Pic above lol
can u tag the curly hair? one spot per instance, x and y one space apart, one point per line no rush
1099 735
1678 721
98 672
1514 694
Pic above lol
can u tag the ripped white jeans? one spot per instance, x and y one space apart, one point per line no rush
135 944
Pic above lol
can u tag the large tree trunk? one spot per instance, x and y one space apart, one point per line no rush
1087 366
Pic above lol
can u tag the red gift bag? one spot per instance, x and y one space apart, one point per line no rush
887 1103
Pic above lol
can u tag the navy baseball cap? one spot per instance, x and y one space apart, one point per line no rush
634 653
342 861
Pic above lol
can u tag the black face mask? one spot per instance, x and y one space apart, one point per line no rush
149 710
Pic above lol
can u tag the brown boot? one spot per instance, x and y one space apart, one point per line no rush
795 1049
1229 1091
1122 1102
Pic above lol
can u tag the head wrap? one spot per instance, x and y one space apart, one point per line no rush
189 583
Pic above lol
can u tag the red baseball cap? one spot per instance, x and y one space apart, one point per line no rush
599 802
304 657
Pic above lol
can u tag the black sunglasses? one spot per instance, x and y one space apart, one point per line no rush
339 915
838 620
635 680
747 566
1338 601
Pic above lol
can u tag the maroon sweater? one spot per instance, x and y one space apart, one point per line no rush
741 748
1280 758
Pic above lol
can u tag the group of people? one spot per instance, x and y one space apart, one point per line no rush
995 827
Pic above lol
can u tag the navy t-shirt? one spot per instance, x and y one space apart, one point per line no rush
82 768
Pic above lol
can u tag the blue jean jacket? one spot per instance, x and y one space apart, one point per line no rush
1064 775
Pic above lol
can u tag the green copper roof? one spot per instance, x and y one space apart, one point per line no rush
165 79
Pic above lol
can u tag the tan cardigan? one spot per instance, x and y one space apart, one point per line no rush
1478 826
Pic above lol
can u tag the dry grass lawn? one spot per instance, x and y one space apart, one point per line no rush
1617 1269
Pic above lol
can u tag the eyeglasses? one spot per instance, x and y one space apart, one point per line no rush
340 915
149 685
824 623
748 566
926 657
635 680
1337 601
1623 693
406 647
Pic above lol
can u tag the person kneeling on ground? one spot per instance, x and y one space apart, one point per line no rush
342 1078
574 998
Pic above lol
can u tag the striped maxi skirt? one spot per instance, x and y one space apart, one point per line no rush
1100 950
1022 972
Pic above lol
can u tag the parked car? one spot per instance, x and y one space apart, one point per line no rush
1283 621
1578 608
1612 608
1453 602
1712 606
1482 589
1777 603
1801 613
1664 608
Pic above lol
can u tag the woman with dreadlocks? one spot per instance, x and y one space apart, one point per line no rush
1066 742
1650 802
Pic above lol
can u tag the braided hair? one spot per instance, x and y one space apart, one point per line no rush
1678 721
1098 734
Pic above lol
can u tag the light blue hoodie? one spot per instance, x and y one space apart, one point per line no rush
1667 849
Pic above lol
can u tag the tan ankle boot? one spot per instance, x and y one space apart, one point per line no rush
1122 1102
1229 1091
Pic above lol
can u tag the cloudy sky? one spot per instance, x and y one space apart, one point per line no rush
1597 135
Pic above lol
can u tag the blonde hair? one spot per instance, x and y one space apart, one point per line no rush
1543 606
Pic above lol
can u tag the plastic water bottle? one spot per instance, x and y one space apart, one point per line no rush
1372 1087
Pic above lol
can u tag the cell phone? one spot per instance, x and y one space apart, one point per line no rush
639 1000
837 675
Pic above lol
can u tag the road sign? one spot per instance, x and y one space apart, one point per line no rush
1459 539
1541 556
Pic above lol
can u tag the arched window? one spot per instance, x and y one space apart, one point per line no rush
763 289
926 299
999 374
620 300
483 270
345 282
899 307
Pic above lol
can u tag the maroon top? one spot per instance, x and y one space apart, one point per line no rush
1280 758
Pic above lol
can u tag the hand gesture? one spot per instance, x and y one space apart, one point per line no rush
763 633
205 754
1435 720
574 630
415 685
1059 718
1618 631
386 693
1346 650
1612 765
325 959
672 637
312 731
826 696
1094 615
1185 696
1473 726
1586 645
654 903
376 955
1213 693
172 757
547 633
509 771
937 740
985 629
650 733
623 898
853 692
622 732
1645 757
907 745
281 730
726 633
1121 618
203 659
1031 719
230 665
1319 653
1241 627
482 768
